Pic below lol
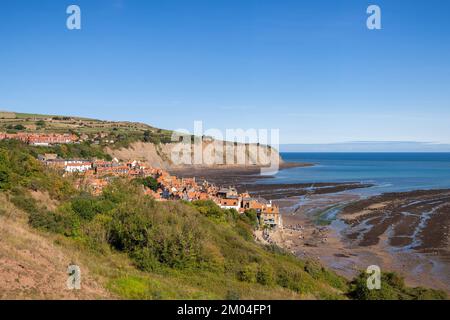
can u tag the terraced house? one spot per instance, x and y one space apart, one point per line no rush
38 139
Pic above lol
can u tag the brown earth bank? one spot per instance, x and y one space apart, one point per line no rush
34 267
31 267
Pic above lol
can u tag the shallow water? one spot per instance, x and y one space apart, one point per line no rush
390 172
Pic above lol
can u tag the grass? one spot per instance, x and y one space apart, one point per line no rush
123 133
117 273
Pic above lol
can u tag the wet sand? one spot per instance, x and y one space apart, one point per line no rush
231 175
283 191
246 180
402 232
416 221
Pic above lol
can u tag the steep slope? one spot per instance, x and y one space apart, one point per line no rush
163 155
33 267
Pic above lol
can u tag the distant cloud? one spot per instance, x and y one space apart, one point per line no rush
368 146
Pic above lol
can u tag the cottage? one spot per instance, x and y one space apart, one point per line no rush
78 167
230 203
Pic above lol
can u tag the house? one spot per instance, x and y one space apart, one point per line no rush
47 157
227 192
97 186
50 139
38 139
230 203
270 216
271 219
78 167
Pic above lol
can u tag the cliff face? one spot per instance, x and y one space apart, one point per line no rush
213 154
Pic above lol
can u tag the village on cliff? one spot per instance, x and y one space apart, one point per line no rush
93 175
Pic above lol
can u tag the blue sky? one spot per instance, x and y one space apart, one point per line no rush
310 68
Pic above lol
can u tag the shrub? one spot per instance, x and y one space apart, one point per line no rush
151 232
5 171
248 273
427 294
149 182
40 123
84 207
392 288
19 127
96 232
232 295
251 217
208 208
24 202
87 206
57 222
265 275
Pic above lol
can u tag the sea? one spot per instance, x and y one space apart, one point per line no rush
388 172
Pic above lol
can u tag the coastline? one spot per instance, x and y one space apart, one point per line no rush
325 221
338 245
231 174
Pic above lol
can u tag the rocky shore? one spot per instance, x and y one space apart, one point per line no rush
402 232
416 220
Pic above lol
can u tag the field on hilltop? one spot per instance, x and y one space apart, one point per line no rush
130 141
121 132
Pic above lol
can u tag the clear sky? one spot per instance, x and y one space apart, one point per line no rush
310 68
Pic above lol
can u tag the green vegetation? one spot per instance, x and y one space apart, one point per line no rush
40 124
157 137
19 170
143 249
148 182
83 150
392 288
105 133
17 127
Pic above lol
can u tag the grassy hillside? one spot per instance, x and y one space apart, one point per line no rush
121 132
137 248
127 141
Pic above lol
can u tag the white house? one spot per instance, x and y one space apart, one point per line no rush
77 167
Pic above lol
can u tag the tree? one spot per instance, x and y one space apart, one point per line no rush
5 170
40 123
147 136
19 127
4 177
150 183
